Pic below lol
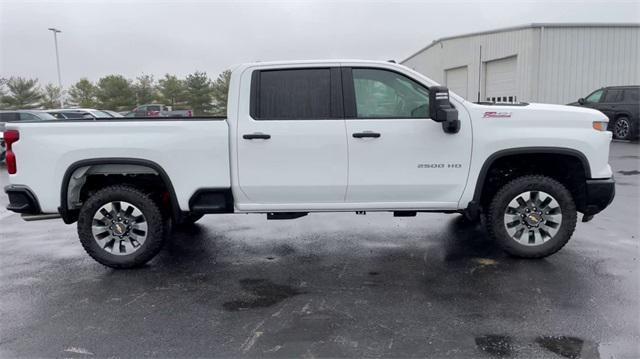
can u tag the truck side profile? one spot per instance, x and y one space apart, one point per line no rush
318 136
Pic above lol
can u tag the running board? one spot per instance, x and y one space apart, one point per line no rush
39 217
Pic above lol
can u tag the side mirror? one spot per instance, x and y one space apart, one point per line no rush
581 101
441 110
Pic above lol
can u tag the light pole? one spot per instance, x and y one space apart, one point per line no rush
55 41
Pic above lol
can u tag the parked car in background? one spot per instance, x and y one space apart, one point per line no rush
79 113
112 113
621 104
158 110
19 115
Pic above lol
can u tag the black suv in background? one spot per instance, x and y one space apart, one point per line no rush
621 104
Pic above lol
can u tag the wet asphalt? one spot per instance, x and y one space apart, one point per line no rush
329 285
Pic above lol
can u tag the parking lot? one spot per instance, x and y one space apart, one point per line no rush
329 285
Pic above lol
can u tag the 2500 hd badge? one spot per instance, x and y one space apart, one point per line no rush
439 165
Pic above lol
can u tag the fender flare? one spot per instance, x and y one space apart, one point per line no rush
70 216
526 150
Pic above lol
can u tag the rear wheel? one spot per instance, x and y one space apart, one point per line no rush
121 227
532 216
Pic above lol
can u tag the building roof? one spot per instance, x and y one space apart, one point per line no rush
522 27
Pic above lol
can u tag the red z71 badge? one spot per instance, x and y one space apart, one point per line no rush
494 114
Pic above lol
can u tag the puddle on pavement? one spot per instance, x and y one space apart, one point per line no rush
629 173
568 347
495 345
266 294
504 346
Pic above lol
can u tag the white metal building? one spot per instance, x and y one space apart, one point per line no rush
550 63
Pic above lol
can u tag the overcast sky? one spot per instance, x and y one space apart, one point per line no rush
157 37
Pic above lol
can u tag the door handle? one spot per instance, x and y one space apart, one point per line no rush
256 136
366 134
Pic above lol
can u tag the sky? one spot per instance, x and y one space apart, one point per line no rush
179 37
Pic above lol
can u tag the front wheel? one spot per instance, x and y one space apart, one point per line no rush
623 129
532 216
121 227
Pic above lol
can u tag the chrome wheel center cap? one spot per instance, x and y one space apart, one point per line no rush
119 229
533 219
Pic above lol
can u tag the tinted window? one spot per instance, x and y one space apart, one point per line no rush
594 97
387 94
153 108
632 95
613 95
9 116
294 94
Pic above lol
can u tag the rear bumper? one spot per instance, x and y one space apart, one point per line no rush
22 200
599 195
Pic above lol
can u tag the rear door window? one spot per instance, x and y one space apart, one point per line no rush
153 108
612 96
292 94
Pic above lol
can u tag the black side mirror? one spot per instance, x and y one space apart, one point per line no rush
581 101
441 110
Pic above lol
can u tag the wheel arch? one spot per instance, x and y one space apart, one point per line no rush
622 114
514 152
70 215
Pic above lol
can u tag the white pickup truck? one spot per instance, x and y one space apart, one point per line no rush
317 136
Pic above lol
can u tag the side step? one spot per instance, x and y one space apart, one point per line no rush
39 217
286 215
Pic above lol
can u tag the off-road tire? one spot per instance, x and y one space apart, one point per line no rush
495 222
148 207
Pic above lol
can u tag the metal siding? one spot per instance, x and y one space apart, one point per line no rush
556 64
578 60
464 51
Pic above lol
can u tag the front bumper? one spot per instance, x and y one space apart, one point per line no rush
599 195
22 200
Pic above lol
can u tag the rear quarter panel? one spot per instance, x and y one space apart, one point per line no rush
193 153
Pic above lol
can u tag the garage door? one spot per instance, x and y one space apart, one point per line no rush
456 80
500 80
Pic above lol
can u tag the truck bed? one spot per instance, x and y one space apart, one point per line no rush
194 152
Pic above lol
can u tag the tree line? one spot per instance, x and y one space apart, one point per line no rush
195 91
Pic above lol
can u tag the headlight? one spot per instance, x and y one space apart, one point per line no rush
600 125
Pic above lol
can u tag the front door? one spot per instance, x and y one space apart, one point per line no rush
398 156
292 147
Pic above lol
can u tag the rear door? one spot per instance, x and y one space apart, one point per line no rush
398 156
291 144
